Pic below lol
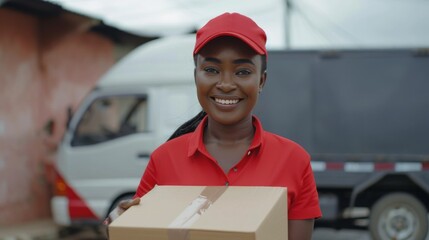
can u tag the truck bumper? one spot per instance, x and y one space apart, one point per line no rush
60 211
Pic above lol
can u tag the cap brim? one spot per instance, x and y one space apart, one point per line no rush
243 38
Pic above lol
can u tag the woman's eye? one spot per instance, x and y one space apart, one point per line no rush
211 70
244 72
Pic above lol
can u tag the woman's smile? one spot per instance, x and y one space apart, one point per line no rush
226 101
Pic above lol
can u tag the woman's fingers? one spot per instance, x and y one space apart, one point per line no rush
124 205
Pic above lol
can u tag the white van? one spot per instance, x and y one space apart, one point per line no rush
134 108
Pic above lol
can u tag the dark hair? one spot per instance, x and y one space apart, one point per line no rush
188 126
264 63
191 125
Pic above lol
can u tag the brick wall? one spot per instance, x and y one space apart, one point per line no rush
42 72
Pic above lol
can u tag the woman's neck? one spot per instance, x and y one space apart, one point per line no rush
242 132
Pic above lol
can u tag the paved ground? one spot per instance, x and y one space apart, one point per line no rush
38 230
46 230
319 234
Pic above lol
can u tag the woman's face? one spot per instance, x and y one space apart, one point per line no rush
228 77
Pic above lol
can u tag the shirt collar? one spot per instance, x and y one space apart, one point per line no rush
196 139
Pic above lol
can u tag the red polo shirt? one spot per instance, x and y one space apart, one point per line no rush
271 160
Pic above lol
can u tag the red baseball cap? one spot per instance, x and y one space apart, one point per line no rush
235 25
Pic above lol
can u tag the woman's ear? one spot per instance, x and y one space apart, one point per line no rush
195 67
262 81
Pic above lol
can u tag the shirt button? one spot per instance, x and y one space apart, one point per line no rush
227 184
235 169
248 153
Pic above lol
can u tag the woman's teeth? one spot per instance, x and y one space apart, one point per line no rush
226 102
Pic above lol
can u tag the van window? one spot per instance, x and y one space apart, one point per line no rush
108 118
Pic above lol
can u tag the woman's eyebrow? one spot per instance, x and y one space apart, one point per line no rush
237 61
211 59
243 60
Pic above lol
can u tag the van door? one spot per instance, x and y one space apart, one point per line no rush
109 150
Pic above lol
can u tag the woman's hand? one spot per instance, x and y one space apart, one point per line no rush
121 208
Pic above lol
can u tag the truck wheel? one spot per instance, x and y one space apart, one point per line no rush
398 216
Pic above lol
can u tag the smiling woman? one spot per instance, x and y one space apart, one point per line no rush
225 144
228 78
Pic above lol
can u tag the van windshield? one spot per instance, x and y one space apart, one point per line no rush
111 117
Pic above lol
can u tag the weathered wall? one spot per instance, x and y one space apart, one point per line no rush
42 72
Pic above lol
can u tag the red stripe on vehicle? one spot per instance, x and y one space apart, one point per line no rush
78 209
384 166
334 166
425 166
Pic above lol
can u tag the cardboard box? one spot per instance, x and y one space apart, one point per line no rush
205 213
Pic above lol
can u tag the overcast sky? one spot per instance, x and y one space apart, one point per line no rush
312 23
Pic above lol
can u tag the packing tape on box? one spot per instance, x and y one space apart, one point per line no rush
179 227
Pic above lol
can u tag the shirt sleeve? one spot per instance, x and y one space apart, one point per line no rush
148 180
306 203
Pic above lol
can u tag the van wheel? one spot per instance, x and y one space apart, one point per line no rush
398 216
63 232
117 201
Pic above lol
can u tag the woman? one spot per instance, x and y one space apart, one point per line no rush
225 144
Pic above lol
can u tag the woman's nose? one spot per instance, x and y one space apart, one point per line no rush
226 83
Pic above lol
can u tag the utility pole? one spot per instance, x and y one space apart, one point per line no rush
287 24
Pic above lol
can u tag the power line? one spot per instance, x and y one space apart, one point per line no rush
309 21
337 27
